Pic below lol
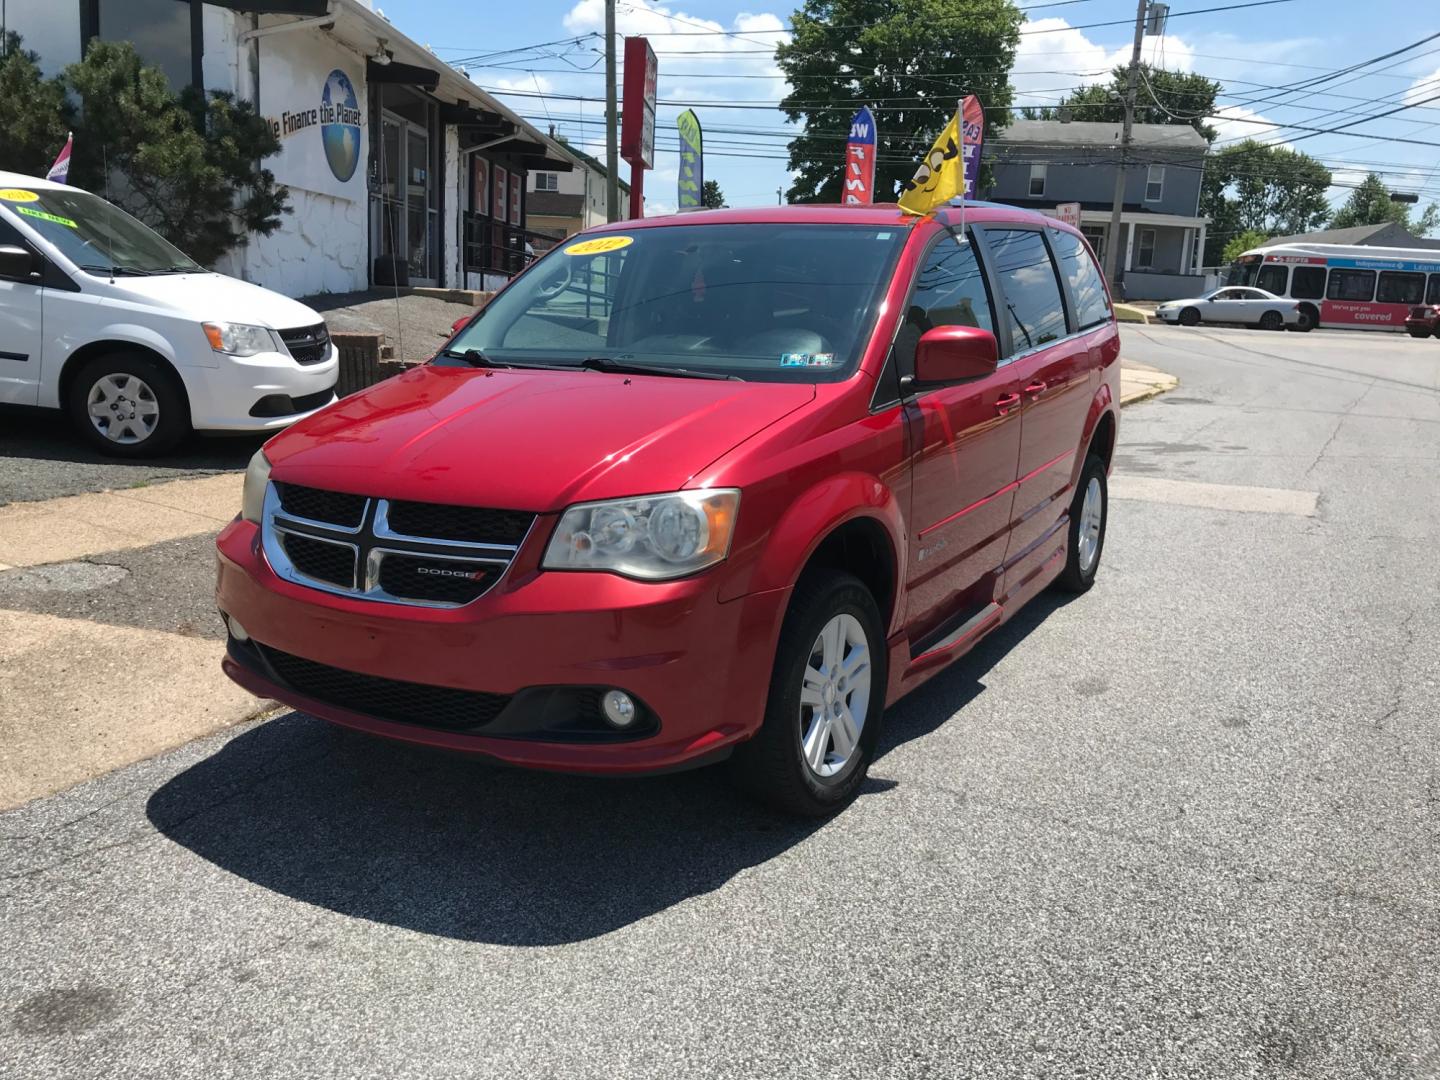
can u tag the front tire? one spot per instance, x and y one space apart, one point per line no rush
1272 320
1419 333
1089 513
1190 317
128 405
827 692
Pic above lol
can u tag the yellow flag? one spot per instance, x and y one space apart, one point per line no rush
940 177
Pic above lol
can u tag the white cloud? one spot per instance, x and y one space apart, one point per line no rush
1427 86
1236 122
526 84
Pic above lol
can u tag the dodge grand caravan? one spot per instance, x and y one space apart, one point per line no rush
107 320
719 485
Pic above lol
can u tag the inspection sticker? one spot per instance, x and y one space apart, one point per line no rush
15 194
794 359
43 216
822 359
600 245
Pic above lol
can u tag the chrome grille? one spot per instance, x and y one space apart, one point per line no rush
348 544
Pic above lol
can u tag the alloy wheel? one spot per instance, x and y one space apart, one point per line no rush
835 696
1092 515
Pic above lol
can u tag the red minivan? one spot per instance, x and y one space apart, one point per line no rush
719 485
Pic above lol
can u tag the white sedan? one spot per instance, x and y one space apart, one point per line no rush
1235 304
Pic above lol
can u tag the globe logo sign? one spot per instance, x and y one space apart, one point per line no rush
340 125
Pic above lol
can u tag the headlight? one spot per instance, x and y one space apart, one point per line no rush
257 479
655 538
238 339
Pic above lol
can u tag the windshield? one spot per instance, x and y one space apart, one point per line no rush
766 302
95 235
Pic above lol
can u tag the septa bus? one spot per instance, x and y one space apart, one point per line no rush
1344 285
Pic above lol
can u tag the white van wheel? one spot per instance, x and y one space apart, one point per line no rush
128 405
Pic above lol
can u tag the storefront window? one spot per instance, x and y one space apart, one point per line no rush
161 31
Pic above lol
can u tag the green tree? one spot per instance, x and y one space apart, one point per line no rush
1161 97
1370 204
1254 187
712 196
909 60
187 166
34 114
1239 244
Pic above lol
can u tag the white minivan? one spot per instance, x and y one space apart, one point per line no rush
104 318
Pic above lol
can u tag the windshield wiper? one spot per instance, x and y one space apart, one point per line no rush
618 367
473 357
117 268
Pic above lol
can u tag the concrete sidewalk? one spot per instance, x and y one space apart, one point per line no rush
82 696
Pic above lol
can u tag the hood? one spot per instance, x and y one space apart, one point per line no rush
214 298
526 440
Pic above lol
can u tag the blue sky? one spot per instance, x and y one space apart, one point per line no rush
1247 50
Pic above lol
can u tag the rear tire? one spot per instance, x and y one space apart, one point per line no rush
128 405
808 758
1309 319
1419 333
1190 317
1089 513
1272 320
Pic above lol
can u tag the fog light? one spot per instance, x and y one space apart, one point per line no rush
236 630
619 708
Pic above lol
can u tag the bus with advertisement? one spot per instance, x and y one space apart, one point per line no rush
1344 286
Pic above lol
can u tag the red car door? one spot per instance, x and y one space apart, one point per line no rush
965 446
1052 363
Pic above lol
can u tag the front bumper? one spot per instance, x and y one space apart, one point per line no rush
221 397
699 666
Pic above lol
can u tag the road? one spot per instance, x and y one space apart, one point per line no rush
1183 826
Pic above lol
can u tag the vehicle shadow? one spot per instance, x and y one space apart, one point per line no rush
46 435
450 846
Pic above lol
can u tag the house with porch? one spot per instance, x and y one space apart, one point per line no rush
1039 164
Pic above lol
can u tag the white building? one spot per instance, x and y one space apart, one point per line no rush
563 203
398 166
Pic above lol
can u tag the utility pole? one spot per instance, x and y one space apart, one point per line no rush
1112 236
612 121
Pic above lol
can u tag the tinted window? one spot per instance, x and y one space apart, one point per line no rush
1398 288
1432 295
949 291
1272 279
10 235
1030 288
1087 287
159 30
1351 285
1308 283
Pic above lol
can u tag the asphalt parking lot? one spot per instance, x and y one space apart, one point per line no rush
1183 826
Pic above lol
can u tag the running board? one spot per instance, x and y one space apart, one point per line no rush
986 619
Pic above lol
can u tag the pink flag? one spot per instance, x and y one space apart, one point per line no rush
60 171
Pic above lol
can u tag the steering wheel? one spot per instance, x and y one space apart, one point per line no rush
556 278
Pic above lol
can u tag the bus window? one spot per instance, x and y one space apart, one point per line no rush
1308 283
1433 295
1400 288
1351 285
1272 278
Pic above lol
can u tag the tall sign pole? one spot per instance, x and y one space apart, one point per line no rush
1112 236
612 121
637 134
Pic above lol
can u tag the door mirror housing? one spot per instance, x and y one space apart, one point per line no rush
18 263
952 354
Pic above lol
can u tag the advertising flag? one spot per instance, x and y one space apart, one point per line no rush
860 160
692 161
940 176
60 171
972 133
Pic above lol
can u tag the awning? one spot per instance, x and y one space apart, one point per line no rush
402 74
275 7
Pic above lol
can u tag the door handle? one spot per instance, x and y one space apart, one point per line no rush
1005 402
1036 388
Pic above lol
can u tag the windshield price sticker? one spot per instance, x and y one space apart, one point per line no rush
600 245
14 194
43 216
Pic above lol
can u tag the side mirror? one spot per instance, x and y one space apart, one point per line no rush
18 263
952 354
